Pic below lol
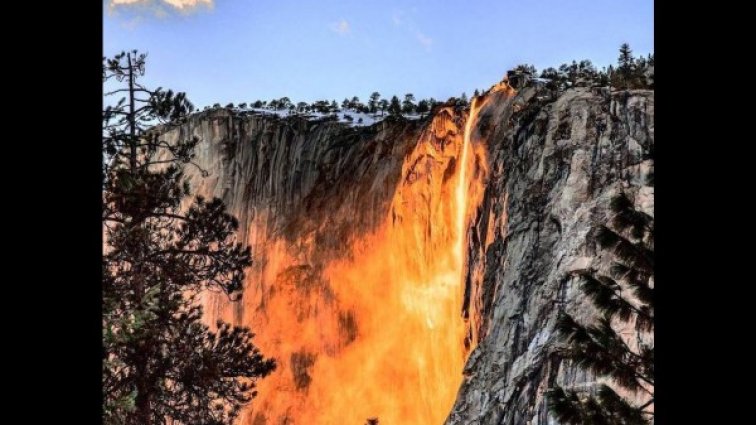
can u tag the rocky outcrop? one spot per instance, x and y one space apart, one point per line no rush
314 196
554 166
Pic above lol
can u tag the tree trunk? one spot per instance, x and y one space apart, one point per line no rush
132 119
143 412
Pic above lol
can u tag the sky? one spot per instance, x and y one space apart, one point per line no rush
221 51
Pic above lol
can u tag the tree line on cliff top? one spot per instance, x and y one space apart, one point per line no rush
375 106
629 72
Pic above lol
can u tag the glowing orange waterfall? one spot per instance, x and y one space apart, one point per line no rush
378 332
463 189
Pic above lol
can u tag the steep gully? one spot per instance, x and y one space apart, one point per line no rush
410 269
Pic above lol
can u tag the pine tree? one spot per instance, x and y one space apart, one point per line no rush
463 100
572 72
383 104
530 69
625 65
613 76
432 102
624 295
354 102
373 103
550 73
395 108
554 78
603 77
161 363
422 107
408 105
641 64
587 71
638 79
284 103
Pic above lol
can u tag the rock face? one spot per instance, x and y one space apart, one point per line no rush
354 288
554 168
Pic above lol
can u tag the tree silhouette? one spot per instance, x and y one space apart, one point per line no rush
625 65
284 103
322 106
373 103
161 363
603 77
395 108
586 70
525 67
422 107
354 102
408 106
383 105
462 100
623 296
432 102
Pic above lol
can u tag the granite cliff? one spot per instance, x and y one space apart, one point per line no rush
412 270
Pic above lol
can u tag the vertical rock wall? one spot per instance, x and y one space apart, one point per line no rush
306 194
555 165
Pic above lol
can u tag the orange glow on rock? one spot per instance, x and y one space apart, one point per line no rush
379 331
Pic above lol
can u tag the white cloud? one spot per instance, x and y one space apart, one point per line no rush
424 40
341 27
157 6
404 21
188 4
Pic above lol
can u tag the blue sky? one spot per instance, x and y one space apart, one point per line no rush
241 50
